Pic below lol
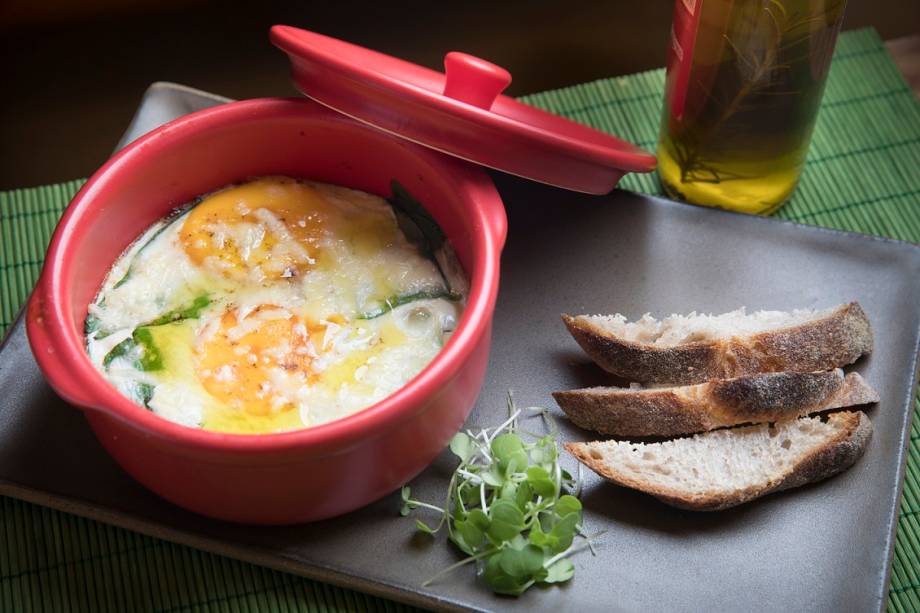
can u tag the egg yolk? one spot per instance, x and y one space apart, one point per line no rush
236 361
265 229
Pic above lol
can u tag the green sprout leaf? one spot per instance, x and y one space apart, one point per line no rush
540 481
500 581
567 504
524 495
462 446
407 505
544 452
506 445
563 533
540 538
507 521
479 519
509 507
508 491
521 563
468 536
492 477
508 449
559 571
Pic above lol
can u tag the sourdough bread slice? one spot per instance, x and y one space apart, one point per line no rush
724 468
673 411
696 348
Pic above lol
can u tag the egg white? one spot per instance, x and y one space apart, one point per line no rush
341 281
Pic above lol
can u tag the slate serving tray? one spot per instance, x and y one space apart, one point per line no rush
824 547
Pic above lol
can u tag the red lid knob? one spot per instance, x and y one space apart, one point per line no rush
473 80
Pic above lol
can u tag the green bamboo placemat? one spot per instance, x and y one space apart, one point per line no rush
862 175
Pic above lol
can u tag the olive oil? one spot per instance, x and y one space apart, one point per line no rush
745 79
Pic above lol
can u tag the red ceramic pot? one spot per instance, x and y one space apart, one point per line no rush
297 476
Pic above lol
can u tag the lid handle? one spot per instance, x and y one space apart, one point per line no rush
473 80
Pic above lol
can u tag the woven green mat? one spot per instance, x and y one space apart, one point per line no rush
862 175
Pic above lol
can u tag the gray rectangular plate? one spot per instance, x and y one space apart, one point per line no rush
823 547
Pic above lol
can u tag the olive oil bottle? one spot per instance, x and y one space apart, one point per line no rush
745 79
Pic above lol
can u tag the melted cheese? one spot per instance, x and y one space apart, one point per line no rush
277 287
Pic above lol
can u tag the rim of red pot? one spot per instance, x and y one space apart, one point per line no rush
52 297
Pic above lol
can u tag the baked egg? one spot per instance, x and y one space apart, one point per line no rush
275 304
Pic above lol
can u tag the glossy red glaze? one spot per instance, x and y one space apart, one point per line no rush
295 476
460 113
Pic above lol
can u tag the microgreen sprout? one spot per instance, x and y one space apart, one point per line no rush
510 507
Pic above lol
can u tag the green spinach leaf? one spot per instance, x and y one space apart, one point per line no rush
167 222
191 311
416 223
396 301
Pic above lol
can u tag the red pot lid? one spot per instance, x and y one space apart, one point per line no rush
461 113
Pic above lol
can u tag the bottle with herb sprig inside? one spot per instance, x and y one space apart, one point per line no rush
745 79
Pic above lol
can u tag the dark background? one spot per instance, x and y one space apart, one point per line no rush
75 71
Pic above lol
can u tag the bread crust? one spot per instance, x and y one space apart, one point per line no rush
833 341
834 456
760 398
